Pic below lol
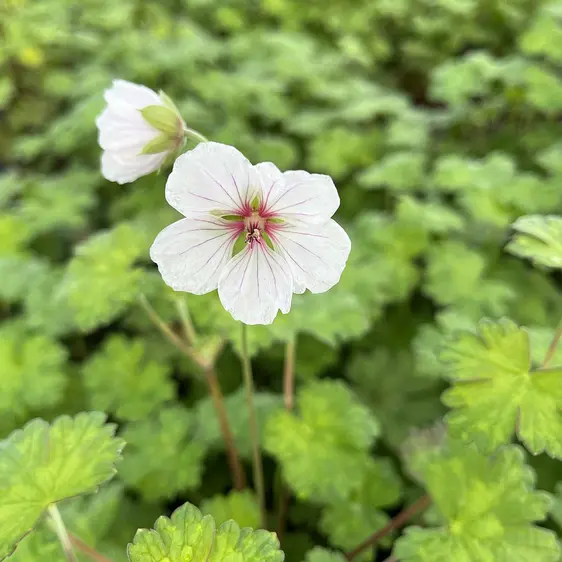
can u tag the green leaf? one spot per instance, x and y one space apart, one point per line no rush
242 506
162 118
101 280
453 272
33 371
399 171
188 535
348 523
208 429
42 464
386 379
162 459
538 238
122 380
318 554
488 507
324 449
497 393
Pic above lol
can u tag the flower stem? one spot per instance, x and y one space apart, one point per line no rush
86 549
194 134
236 468
289 375
552 347
399 521
289 401
188 327
62 533
257 461
233 457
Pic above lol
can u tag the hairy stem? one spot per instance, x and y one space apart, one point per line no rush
552 347
231 451
256 454
188 327
399 521
289 375
194 134
60 529
87 549
233 457
289 401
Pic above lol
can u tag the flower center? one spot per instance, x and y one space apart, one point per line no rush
254 225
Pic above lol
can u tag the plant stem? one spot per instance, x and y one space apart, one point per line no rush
164 328
289 375
289 401
234 462
195 134
552 347
62 533
91 552
188 328
231 451
399 521
257 461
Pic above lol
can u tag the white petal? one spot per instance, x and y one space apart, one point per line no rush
124 167
316 254
304 197
211 177
254 285
124 130
134 95
191 253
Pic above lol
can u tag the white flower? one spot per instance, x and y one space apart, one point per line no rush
291 242
138 130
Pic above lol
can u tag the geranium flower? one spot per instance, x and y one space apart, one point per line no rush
138 130
290 242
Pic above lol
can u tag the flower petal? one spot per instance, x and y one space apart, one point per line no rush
254 285
316 254
191 253
126 166
300 196
134 95
211 177
124 130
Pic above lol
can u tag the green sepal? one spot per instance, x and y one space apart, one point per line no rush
168 102
276 221
255 203
162 143
233 218
239 245
162 118
267 239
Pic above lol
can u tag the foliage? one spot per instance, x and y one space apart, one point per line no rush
487 507
439 122
498 392
42 464
190 535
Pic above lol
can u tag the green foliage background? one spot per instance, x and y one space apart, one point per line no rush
439 121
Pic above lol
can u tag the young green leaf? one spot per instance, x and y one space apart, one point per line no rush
319 554
122 380
323 449
101 280
488 507
497 393
42 464
162 458
348 523
188 535
242 506
538 238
